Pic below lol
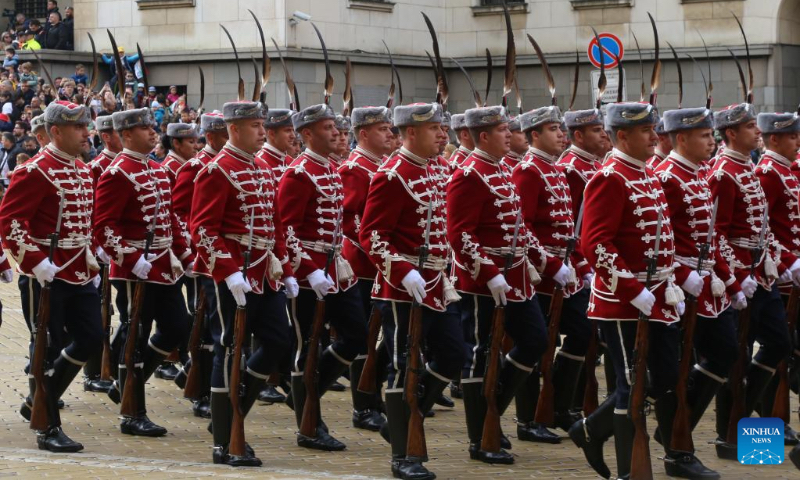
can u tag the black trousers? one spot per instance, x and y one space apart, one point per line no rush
768 326
74 324
266 321
344 311
524 323
162 304
574 324
715 343
662 360
440 330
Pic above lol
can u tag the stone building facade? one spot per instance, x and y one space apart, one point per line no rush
178 36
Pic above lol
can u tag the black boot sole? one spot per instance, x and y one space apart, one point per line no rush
316 444
493 458
71 449
127 430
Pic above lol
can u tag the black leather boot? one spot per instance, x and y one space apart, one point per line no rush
55 440
701 390
141 425
430 388
677 463
526 398
725 450
396 427
565 379
323 440
91 371
167 371
221 418
27 404
623 443
794 455
115 390
475 409
269 395
757 381
591 433
455 390
202 407
252 389
580 390
611 374
96 385
183 373
365 412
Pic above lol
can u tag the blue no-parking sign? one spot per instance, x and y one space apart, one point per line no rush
610 48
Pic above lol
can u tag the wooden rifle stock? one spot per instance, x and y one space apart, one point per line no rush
367 382
106 367
416 447
545 409
490 441
780 408
129 407
194 380
590 391
681 425
310 419
39 418
236 447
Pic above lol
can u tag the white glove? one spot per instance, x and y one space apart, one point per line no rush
498 286
102 255
415 285
96 281
189 272
238 287
749 286
291 286
644 301
681 307
7 275
587 280
739 302
562 275
795 270
143 266
45 271
693 284
785 277
320 282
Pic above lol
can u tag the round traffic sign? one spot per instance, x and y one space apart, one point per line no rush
612 50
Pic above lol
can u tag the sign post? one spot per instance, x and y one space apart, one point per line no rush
611 51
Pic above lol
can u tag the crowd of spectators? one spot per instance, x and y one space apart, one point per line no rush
55 33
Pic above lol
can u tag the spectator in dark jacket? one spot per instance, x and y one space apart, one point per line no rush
57 36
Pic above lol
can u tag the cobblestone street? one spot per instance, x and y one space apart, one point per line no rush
186 451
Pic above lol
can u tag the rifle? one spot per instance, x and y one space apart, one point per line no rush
129 406
105 314
310 419
640 455
681 425
194 380
416 448
39 413
590 361
545 407
236 445
490 440
780 409
366 383
739 370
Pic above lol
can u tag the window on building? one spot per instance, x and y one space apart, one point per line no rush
500 2
31 8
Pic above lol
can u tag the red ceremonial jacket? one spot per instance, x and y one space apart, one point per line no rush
781 188
579 166
278 161
30 209
232 190
656 159
480 226
458 157
510 161
393 229
690 208
357 173
171 164
547 210
100 163
740 213
182 192
620 217
310 197
127 195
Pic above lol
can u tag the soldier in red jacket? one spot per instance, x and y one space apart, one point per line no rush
233 192
621 210
483 219
112 145
216 134
62 185
717 292
181 145
280 137
548 213
342 150
372 128
518 146
132 195
663 147
310 200
781 133
393 228
466 145
741 213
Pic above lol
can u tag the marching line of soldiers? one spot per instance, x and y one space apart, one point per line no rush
500 272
